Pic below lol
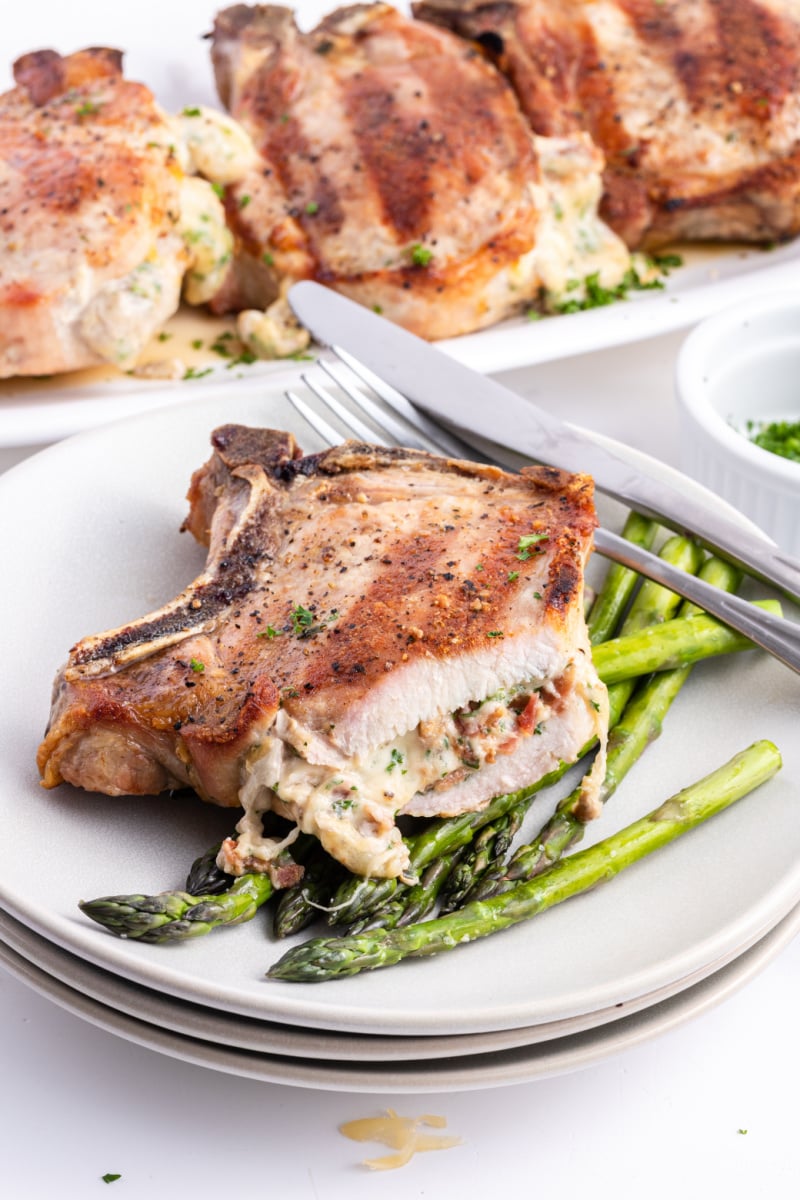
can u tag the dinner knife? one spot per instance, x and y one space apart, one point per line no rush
476 404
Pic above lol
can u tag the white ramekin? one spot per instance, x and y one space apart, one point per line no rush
738 366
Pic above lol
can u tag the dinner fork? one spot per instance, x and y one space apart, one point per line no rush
417 431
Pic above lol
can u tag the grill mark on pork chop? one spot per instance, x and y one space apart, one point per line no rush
398 153
745 54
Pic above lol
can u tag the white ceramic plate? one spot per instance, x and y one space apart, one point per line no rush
176 66
245 1033
91 541
520 1064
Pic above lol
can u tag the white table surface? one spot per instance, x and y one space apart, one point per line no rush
661 1120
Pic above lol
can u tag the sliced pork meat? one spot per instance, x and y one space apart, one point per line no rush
399 169
695 106
376 632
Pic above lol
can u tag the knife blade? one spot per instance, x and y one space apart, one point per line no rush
475 404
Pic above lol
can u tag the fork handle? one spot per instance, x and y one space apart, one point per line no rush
774 634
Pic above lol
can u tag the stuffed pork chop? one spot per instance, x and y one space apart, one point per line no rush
399 169
107 212
376 632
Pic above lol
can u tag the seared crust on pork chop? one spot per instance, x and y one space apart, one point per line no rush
376 630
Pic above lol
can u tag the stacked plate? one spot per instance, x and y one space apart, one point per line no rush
662 942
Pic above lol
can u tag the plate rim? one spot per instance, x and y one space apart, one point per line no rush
114 955
522 1064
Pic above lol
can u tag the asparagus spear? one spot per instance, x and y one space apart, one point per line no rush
675 643
619 583
489 847
205 878
639 725
332 958
176 916
300 904
413 901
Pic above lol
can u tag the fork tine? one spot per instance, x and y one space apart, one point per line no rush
353 423
383 419
444 442
317 422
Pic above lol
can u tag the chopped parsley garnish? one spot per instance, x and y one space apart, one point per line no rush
395 760
164 336
302 619
666 262
525 543
595 705
193 373
420 255
192 112
197 666
312 207
267 258
779 437
512 575
376 308
270 632
495 633
197 343
110 1177
219 189
597 296
87 108
244 201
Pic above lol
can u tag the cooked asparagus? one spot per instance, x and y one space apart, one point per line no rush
176 916
333 958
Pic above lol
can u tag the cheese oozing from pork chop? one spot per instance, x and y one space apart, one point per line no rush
376 632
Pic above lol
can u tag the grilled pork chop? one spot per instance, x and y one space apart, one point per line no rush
376 631
100 216
399 169
696 106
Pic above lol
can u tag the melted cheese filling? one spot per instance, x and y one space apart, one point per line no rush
573 241
350 805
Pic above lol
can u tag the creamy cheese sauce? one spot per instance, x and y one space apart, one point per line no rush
402 1134
350 805
573 242
208 240
214 145
119 321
